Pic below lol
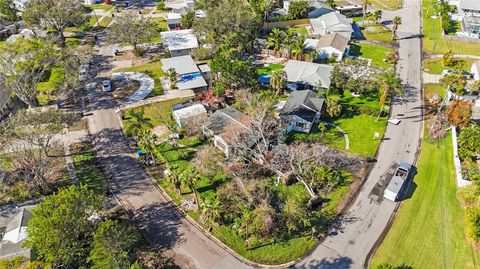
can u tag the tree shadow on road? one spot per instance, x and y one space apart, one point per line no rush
336 263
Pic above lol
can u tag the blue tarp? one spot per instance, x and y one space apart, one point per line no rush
264 78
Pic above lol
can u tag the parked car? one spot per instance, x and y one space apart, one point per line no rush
106 86
398 183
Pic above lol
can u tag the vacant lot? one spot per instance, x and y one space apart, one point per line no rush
428 231
388 4
377 53
434 65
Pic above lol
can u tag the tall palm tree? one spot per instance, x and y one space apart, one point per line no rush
298 47
211 211
288 41
365 4
146 141
275 40
189 177
174 178
137 121
278 80
396 22
377 15
388 83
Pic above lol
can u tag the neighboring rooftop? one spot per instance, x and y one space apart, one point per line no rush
333 22
182 65
333 40
191 81
14 223
308 73
179 40
222 118
189 111
473 5
304 104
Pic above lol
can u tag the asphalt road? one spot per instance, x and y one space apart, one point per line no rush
359 229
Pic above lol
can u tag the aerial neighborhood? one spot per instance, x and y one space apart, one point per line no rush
239 134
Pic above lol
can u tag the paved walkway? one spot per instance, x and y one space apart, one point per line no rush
146 84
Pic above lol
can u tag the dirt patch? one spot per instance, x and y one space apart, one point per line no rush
161 131
124 89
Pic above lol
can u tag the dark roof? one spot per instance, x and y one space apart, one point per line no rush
222 118
304 104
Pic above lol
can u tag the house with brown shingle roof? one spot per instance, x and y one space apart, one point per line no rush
329 45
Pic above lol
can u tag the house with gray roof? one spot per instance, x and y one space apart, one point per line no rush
14 226
179 42
221 124
190 77
470 6
307 75
302 110
329 45
333 22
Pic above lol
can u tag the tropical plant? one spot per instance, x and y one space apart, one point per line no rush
295 215
456 82
275 40
173 177
278 80
365 4
377 15
469 138
187 20
298 9
458 113
137 121
190 177
448 58
146 141
331 3
288 41
334 106
210 211
396 22
388 83
298 47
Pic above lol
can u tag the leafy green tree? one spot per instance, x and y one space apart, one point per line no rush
235 72
298 9
63 225
262 222
334 106
262 8
377 15
57 15
472 221
187 20
459 112
23 64
132 29
469 138
8 13
161 5
397 20
295 216
331 3
210 212
190 177
146 141
113 245
137 121
455 81
278 81
448 58
275 40
388 83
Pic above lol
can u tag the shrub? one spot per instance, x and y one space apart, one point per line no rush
472 221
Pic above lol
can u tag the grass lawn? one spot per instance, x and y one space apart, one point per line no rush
434 65
92 19
388 4
375 52
302 30
73 41
429 89
268 70
105 21
101 6
161 27
153 69
155 112
46 90
86 169
433 42
377 33
432 213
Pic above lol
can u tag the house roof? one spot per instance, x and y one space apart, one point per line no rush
222 118
308 72
333 40
182 65
331 22
14 223
319 9
191 81
179 40
16 229
189 111
304 104
204 68
470 4
476 65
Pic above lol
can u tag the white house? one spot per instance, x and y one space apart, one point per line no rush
333 22
180 6
190 77
328 45
475 70
307 75
190 115
180 42
302 110
173 20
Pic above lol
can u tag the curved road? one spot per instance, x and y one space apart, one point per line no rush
360 227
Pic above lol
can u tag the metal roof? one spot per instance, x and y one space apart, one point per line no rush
179 40
470 4
182 65
308 72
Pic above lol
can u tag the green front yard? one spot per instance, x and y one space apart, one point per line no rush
377 32
429 230
429 89
46 90
156 111
434 65
377 53
153 69
269 69
101 6
86 168
388 4
300 29
105 21
433 42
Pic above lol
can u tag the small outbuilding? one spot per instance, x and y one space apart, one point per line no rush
190 116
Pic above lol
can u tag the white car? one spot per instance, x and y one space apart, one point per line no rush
106 86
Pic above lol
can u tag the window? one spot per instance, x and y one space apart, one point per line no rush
301 125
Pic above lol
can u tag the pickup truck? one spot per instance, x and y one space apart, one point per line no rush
398 182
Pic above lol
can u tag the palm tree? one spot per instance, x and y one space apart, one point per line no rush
365 4
174 178
389 83
288 41
189 177
396 22
331 3
278 80
171 74
377 15
275 39
211 211
146 141
297 47
137 121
